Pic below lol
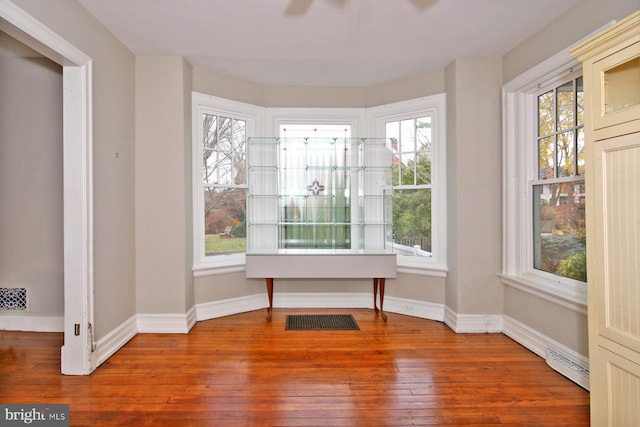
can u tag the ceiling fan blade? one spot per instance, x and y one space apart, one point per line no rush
297 7
423 4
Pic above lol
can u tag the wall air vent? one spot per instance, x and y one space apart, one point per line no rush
13 298
571 369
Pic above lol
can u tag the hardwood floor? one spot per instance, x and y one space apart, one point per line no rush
244 371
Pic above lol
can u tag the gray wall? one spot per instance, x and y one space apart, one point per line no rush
31 237
164 282
474 237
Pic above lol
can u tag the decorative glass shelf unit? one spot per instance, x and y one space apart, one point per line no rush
319 196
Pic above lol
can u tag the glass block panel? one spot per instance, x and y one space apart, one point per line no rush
262 152
263 238
314 183
559 229
377 154
259 208
292 208
263 181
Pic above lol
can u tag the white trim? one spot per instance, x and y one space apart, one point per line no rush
213 271
540 344
410 307
78 179
108 345
228 307
355 117
166 323
573 298
472 323
215 309
32 323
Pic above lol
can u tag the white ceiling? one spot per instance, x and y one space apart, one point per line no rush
333 43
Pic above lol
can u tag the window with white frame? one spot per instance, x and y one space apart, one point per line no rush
416 134
416 131
543 170
558 208
221 129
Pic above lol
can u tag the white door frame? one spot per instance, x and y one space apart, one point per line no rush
76 353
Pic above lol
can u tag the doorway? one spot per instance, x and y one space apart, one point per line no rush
76 353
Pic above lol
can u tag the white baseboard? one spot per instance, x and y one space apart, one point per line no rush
215 309
167 323
560 357
422 309
409 307
473 323
32 323
114 340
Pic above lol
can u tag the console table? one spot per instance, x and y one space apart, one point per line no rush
318 266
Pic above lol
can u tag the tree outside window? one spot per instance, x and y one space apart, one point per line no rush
225 184
411 144
558 193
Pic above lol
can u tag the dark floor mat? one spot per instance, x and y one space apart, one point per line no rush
308 322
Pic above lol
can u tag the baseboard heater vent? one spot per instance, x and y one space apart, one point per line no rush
13 299
569 368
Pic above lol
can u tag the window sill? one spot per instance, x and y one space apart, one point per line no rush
572 296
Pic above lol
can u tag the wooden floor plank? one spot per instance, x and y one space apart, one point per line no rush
241 370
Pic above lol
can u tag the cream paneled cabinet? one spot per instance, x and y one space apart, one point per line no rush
611 69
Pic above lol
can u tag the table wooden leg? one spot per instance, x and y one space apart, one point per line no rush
384 316
269 281
375 295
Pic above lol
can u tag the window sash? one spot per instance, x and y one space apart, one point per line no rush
520 172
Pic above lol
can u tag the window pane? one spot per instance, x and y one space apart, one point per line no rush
210 130
580 101
423 170
566 154
407 135
407 169
580 151
559 229
546 149
225 227
315 187
423 134
565 107
412 221
223 158
545 114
